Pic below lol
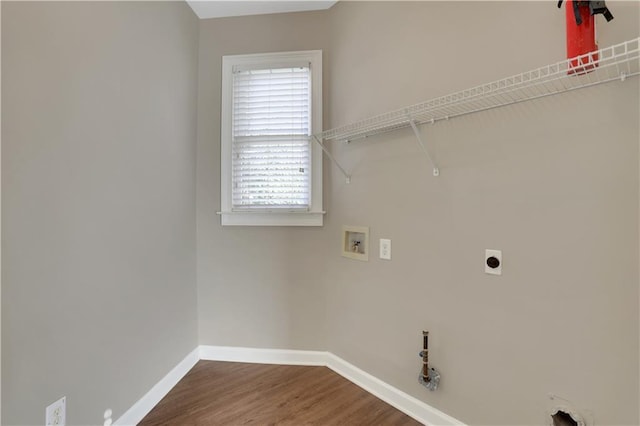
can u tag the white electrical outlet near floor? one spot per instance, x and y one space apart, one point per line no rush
56 413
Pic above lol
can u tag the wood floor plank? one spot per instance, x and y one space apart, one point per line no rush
232 393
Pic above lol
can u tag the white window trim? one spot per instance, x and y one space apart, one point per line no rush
315 215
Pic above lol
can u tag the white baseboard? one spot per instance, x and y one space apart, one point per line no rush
413 407
263 356
136 413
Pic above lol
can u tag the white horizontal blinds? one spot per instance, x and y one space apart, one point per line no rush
270 132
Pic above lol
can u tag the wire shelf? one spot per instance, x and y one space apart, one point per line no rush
616 62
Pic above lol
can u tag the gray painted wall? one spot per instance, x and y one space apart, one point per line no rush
559 198
0 222
553 183
98 198
258 286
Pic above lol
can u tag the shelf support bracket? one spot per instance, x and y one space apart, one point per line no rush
416 131
332 158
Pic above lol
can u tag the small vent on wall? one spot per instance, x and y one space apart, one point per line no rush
564 417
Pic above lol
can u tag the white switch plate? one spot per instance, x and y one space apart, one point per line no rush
498 255
56 413
385 249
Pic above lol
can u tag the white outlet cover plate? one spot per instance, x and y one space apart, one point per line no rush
385 249
56 413
498 255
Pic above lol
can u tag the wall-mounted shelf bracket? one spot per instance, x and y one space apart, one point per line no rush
332 158
416 131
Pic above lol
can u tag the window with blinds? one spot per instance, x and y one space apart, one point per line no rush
270 173
271 124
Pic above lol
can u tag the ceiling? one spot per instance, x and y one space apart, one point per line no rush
218 9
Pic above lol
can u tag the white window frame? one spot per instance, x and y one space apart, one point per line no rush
277 217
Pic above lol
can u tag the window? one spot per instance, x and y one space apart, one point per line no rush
271 171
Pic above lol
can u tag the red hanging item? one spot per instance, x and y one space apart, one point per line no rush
581 33
581 37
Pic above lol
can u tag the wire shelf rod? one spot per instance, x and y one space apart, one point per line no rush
616 62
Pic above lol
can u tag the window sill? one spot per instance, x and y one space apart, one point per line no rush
272 218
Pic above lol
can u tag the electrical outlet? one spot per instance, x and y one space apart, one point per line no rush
385 249
107 417
56 413
493 262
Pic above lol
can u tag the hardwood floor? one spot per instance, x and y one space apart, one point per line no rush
231 393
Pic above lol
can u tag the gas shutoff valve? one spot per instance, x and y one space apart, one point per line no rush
428 376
